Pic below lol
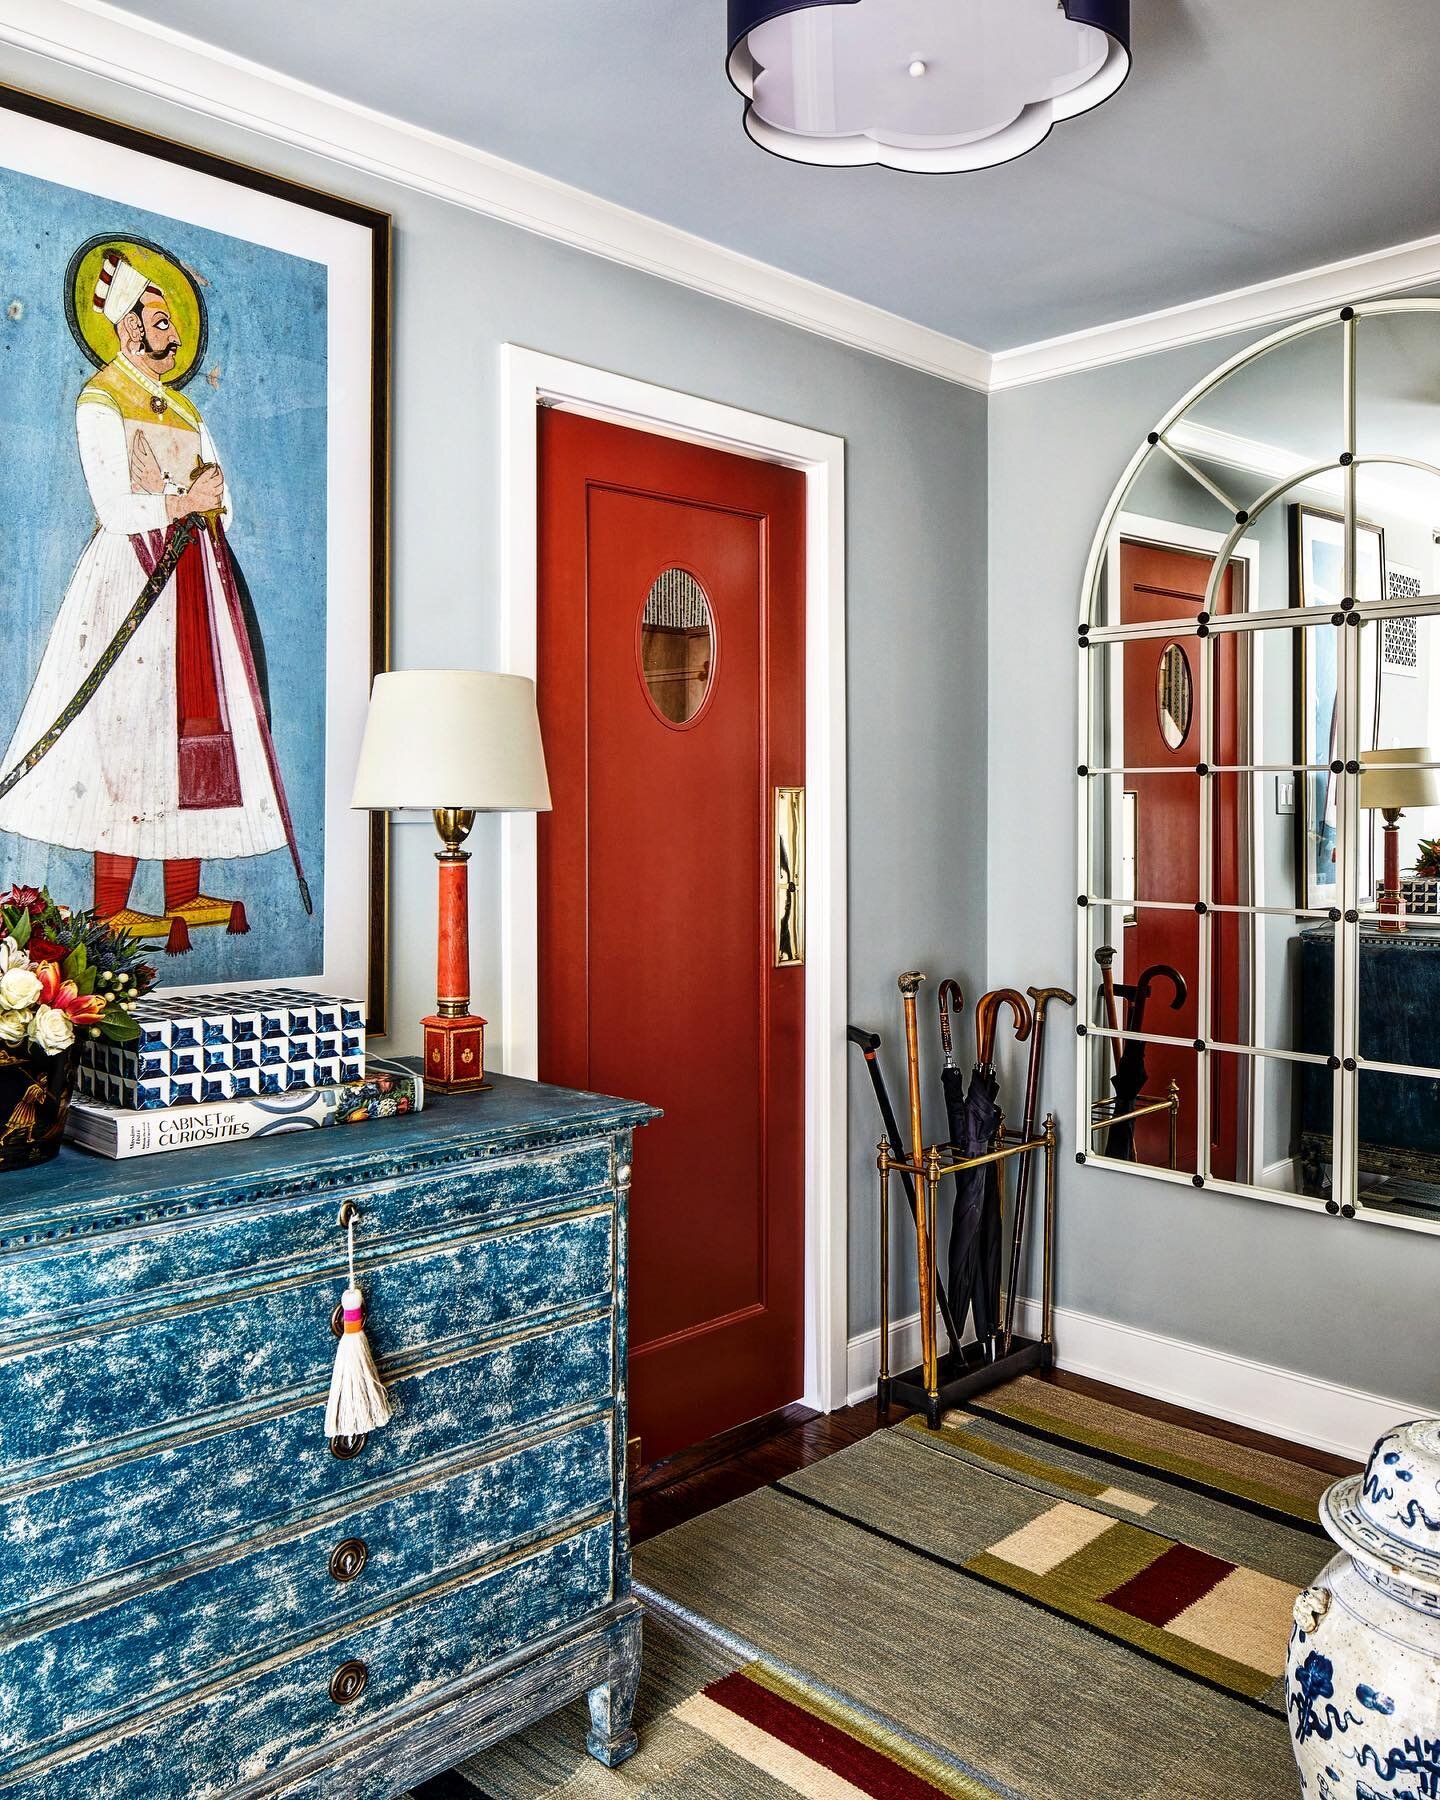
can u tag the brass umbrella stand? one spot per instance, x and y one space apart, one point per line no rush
939 1382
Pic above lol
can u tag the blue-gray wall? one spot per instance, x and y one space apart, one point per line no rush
1345 1302
915 628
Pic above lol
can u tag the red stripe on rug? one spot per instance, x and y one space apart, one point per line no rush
869 1770
1172 1582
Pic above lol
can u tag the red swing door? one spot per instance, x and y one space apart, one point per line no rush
672 697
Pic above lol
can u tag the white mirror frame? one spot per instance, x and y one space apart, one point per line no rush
1093 629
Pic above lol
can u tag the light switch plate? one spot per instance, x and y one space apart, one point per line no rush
1284 793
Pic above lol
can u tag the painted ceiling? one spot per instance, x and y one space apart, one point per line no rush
1255 138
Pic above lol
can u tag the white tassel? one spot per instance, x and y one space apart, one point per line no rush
357 1402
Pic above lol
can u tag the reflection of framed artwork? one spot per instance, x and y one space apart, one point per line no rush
196 601
1317 579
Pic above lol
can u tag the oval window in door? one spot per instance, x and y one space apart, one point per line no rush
677 646
1174 696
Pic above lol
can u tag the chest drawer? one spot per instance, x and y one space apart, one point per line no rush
77 1673
74 1394
149 1510
247 1732
201 1241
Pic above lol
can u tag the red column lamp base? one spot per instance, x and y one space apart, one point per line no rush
455 1054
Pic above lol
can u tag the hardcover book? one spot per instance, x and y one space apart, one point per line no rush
195 1049
388 1090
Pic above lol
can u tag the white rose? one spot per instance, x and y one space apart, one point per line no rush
12 956
19 989
52 1031
12 1027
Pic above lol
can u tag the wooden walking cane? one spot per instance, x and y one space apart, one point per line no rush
1042 998
1105 956
868 1043
909 985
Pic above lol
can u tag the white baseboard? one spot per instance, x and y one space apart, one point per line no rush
862 1357
1283 1402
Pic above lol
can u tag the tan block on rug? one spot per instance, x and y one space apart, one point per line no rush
786 1765
1246 1617
1136 1503
1046 1542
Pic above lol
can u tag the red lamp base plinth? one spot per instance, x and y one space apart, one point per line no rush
455 1054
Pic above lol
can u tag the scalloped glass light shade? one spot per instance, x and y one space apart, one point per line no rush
935 86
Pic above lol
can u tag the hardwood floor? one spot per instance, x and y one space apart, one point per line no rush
792 1445
670 1494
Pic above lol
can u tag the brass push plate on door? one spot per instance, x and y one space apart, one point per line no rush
789 877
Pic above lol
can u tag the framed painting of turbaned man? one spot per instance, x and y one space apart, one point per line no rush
193 551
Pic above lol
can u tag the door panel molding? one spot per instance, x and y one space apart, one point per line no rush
530 379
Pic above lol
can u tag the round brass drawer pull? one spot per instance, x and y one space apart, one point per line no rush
346 1449
347 1559
347 1684
337 1318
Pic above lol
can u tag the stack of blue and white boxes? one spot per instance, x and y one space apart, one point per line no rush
195 1048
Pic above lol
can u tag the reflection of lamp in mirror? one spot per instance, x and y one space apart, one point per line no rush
1392 782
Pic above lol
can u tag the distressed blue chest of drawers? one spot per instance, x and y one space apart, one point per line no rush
201 1595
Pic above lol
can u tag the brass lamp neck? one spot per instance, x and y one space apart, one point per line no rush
453 823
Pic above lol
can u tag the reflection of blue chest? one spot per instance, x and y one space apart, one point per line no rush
1399 1023
193 1567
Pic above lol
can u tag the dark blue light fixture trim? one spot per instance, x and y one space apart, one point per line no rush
839 82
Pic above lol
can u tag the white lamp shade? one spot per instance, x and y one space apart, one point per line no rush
1390 779
452 737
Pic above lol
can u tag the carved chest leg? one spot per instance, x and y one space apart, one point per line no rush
611 1740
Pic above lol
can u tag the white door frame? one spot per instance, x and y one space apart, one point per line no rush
530 379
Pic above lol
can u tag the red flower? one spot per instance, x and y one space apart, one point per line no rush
28 899
43 949
65 997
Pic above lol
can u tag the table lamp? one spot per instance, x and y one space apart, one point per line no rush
1392 782
453 742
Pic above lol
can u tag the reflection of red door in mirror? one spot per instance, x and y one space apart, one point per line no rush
672 701
1162 731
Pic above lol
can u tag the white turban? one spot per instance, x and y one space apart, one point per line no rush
117 287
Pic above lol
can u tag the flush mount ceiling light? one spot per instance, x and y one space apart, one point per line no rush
935 86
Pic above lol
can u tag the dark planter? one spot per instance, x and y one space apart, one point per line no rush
34 1099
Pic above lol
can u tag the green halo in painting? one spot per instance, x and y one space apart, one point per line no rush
94 333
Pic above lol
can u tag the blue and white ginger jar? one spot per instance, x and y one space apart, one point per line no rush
1362 1687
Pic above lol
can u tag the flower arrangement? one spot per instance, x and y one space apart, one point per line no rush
1427 859
64 974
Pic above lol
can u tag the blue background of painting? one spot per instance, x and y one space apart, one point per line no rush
267 322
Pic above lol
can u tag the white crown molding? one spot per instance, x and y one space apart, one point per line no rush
1280 1402
1389 271
1272 462
136 53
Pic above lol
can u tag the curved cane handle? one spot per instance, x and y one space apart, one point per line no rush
948 996
1173 976
1042 998
985 1009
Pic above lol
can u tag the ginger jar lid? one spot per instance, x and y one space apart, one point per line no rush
1390 1515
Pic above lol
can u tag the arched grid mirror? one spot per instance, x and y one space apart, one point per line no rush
1259 780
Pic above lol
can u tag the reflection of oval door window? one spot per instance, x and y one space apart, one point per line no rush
677 646
1174 696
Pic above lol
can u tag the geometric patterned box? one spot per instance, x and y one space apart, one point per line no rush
233 1046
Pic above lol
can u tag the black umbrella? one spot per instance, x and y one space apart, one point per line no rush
1131 1074
975 1232
868 1043
952 1080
